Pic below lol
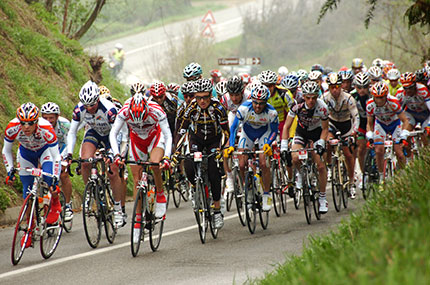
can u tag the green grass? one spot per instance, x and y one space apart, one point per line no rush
385 243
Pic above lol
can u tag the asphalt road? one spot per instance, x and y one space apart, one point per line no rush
181 259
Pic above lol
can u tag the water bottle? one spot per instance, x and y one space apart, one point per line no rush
257 179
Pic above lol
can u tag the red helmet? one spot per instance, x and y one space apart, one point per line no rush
27 112
215 73
408 79
158 89
379 89
173 87
138 108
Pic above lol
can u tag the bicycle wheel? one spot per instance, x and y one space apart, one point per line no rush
276 188
369 163
214 231
283 187
315 192
166 187
66 225
21 233
264 215
388 168
176 191
50 235
298 193
345 188
137 226
336 187
91 215
239 197
307 198
200 211
155 231
108 214
251 208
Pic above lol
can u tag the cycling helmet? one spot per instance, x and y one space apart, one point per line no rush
357 63
346 75
310 87
138 109
361 79
188 87
315 75
118 46
260 92
317 67
203 85
27 112
290 82
235 85
117 103
246 78
408 79
302 74
282 71
343 68
327 70
137 88
393 74
158 89
268 77
334 79
251 87
378 62
379 89
215 73
421 75
375 73
221 88
89 94
50 108
192 69
173 87
105 93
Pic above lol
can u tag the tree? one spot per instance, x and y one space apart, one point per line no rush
417 13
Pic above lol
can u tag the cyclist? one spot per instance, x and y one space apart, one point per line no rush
385 116
137 88
173 88
168 103
357 65
221 89
422 76
259 121
316 76
393 76
216 76
193 72
188 91
231 101
206 121
51 112
312 119
99 115
361 94
343 117
118 57
292 82
375 74
149 134
303 75
347 78
38 145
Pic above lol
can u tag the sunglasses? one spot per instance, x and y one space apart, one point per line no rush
337 86
203 97
90 106
259 103
311 97
362 87
28 123
189 96
409 87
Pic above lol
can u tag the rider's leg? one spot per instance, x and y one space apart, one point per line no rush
87 150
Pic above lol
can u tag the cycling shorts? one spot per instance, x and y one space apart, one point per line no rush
97 140
303 137
381 131
345 128
140 148
415 118
246 141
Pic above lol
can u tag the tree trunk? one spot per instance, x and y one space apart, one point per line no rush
66 8
48 5
90 21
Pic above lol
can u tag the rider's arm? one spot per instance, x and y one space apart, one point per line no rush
233 131
71 136
404 119
56 158
7 154
116 128
164 125
324 132
355 117
274 124
288 123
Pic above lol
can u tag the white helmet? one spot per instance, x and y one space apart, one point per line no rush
393 74
50 108
282 71
375 72
118 46
315 75
89 94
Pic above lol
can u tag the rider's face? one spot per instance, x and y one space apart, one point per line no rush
362 90
380 101
203 99
92 109
52 118
410 91
311 100
188 97
159 99
259 105
28 128
236 98
335 90
346 85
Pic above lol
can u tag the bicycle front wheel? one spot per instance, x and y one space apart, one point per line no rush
336 186
239 197
138 224
307 200
91 215
50 235
251 208
22 233
276 188
200 211
298 193
264 215
176 192
108 214
345 180
66 225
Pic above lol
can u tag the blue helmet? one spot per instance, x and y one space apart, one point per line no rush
260 92
290 81
192 69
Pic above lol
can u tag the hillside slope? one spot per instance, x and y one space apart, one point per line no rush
38 64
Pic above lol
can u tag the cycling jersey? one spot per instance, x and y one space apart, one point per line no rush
232 108
61 129
146 133
99 123
393 90
342 109
416 104
170 106
204 124
281 100
263 126
309 119
386 114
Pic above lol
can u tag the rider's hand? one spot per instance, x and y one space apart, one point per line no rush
165 163
404 135
267 149
174 159
118 160
10 176
369 135
320 146
286 156
69 158
228 151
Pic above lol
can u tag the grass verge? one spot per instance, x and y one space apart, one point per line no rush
385 243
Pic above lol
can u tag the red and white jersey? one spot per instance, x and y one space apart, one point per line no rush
229 105
387 113
42 136
415 103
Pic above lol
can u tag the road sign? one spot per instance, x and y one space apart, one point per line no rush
239 61
209 18
208 32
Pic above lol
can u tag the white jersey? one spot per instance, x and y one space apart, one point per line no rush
342 109
61 130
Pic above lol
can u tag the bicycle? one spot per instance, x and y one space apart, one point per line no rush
67 225
98 202
31 224
279 185
309 183
340 181
202 198
389 158
145 204
238 192
370 174
253 197
176 184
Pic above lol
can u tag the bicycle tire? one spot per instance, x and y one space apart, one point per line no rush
264 215
138 225
367 174
315 193
336 186
199 211
239 197
345 188
275 188
51 234
298 193
176 193
21 231
66 225
108 214
307 198
284 186
251 208
229 201
214 231
91 215
166 186
155 231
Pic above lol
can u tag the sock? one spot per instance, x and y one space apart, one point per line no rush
322 194
117 206
123 208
